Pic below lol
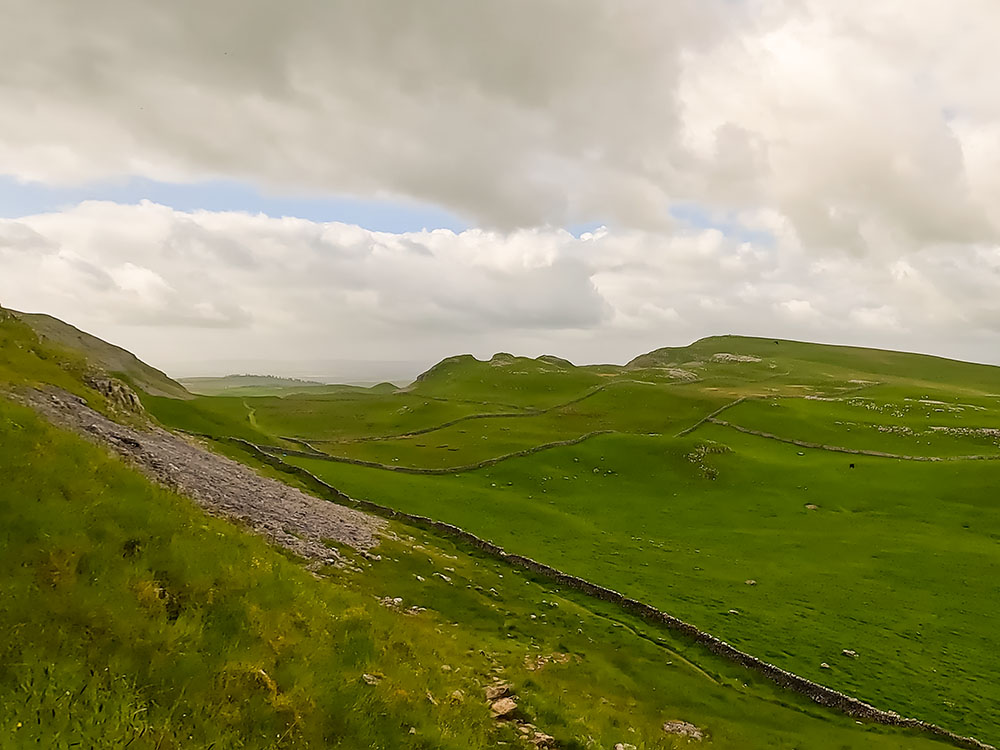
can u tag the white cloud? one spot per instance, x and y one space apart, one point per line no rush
861 124
181 287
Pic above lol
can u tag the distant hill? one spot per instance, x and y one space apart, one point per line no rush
764 358
100 353
212 386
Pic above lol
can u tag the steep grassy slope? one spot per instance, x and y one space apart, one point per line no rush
106 356
132 619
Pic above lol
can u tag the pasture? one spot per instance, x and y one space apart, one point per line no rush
897 560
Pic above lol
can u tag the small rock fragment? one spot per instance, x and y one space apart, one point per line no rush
540 739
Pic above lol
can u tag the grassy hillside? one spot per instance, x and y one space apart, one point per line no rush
109 357
132 619
894 559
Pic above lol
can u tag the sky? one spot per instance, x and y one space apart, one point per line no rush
255 186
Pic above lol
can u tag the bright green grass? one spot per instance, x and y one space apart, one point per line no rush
623 406
516 381
814 364
353 415
900 563
209 415
905 422
130 618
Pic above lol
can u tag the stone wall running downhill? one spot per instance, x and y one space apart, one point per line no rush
313 453
818 693
710 417
527 412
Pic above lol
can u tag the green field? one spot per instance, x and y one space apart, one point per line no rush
132 619
898 561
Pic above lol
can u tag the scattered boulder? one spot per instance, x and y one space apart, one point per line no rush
824 665
457 696
503 707
684 729
624 746
371 679
810 506
750 582
849 654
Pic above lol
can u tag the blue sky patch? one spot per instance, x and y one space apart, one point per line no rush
19 199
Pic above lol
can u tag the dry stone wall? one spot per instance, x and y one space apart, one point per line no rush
852 451
419 470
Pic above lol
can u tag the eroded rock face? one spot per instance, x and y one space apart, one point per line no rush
118 393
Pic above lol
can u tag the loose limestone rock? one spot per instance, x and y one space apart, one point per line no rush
503 707
684 729
498 691
540 739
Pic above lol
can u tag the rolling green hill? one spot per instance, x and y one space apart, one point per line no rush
133 618
851 487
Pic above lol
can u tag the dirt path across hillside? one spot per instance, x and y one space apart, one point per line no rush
223 487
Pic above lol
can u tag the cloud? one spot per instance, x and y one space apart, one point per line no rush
180 287
866 126
490 109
